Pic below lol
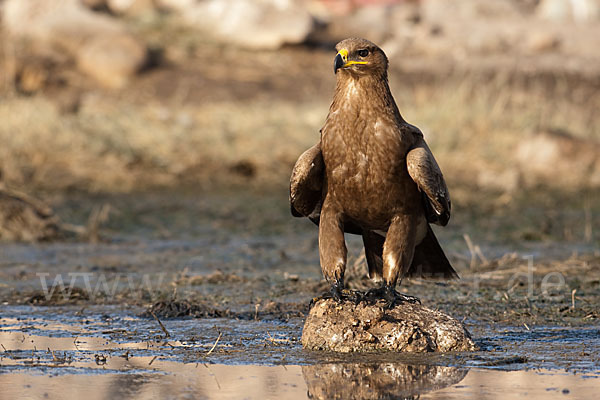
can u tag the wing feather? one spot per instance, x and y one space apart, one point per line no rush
306 183
425 171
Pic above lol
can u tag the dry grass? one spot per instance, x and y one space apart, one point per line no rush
119 145
175 131
478 124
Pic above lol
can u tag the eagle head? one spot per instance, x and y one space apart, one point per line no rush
360 57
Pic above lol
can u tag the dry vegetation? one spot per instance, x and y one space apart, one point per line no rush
204 112
209 115
114 144
120 147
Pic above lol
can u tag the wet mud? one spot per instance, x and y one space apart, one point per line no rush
206 297
115 344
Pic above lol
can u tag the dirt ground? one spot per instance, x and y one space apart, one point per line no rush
240 254
174 276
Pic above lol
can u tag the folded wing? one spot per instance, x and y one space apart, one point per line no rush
306 184
424 170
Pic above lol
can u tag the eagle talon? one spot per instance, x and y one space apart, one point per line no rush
354 296
404 298
339 294
390 296
336 291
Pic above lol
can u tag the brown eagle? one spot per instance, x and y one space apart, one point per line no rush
372 174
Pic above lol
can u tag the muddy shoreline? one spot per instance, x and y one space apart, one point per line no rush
241 269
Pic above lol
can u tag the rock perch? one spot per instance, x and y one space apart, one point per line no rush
413 328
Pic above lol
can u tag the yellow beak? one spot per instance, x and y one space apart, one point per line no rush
341 60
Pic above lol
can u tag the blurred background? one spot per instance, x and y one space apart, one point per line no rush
108 101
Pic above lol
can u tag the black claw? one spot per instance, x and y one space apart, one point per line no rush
336 291
339 294
352 295
407 299
390 297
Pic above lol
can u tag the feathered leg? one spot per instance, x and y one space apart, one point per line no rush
398 253
373 253
332 253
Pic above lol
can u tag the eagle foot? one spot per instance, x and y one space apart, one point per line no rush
390 296
339 294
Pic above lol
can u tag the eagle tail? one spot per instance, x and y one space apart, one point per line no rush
374 254
429 260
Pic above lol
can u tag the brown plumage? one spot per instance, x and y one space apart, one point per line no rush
372 174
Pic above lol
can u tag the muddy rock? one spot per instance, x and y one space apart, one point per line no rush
413 328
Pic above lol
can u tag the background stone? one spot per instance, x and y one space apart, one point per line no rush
99 44
255 24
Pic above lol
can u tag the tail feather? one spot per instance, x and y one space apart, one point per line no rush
429 260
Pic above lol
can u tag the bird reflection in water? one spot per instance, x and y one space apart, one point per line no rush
377 381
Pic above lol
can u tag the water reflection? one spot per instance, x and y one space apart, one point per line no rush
146 378
61 355
377 381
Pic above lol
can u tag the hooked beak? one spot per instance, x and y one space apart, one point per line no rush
338 62
341 61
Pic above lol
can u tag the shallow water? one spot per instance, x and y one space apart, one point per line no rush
107 352
94 344
216 381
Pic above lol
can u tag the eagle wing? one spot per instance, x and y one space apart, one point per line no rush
306 184
424 170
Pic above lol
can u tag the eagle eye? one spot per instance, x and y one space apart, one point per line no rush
363 53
